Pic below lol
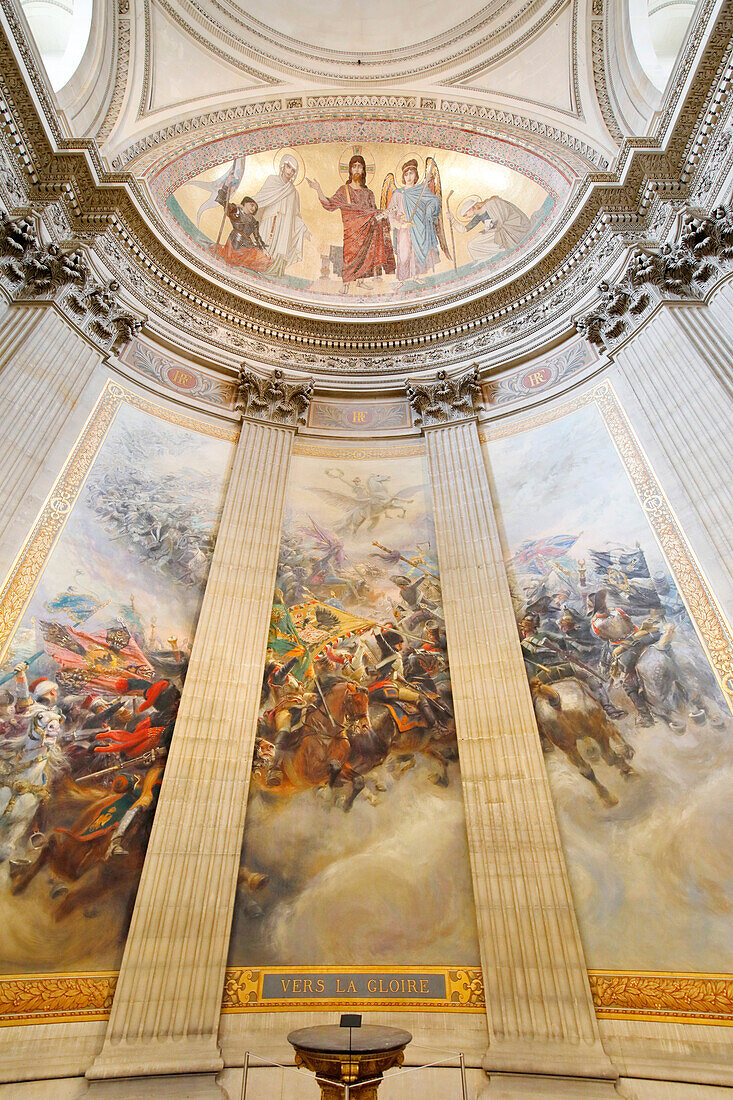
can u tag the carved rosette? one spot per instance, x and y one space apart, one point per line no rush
675 272
445 399
33 271
273 399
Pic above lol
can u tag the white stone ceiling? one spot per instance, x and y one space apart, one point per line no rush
526 57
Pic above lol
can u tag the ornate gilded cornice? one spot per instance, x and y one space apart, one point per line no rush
108 210
273 399
446 399
676 272
32 271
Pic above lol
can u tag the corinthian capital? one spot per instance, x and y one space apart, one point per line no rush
33 271
272 398
446 398
680 271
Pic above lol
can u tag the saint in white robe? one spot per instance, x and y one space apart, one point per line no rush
281 227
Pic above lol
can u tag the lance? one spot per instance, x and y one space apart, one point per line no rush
230 188
573 660
147 758
407 561
452 231
319 689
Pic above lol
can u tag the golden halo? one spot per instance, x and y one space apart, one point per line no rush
300 174
409 155
463 204
348 152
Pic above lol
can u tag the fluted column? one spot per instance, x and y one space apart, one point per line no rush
678 368
540 1013
46 386
721 311
165 1014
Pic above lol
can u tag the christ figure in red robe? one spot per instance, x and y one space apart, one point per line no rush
368 251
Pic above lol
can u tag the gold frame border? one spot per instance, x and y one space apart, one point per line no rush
658 996
243 990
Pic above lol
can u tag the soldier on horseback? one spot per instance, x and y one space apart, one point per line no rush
287 716
551 657
625 644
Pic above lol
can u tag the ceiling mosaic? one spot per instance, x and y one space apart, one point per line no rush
355 223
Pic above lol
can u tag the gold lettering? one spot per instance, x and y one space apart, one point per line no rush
338 986
307 986
297 983
371 986
320 987
424 985
284 983
352 988
411 985
537 378
394 986
358 417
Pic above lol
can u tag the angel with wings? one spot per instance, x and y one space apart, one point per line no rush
415 213
366 502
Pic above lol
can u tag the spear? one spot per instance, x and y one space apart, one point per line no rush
452 232
146 758
230 188
407 561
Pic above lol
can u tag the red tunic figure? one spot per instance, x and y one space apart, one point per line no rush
368 248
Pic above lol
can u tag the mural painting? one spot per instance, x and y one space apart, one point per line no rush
634 725
367 222
91 678
355 848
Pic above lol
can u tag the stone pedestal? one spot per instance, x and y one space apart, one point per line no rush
541 1019
340 1057
165 1014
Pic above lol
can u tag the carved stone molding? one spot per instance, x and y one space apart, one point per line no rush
445 399
676 272
111 208
33 271
272 398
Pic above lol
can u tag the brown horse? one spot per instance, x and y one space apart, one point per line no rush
83 861
322 756
437 743
566 713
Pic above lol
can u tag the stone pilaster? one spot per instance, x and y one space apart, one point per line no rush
47 390
165 1014
721 311
678 369
540 1015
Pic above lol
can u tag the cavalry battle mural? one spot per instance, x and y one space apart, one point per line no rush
634 726
360 221
355 845
89 690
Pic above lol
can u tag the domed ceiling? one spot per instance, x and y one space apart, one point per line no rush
360 216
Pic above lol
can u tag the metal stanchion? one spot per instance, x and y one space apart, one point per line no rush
464 1085
245 1072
